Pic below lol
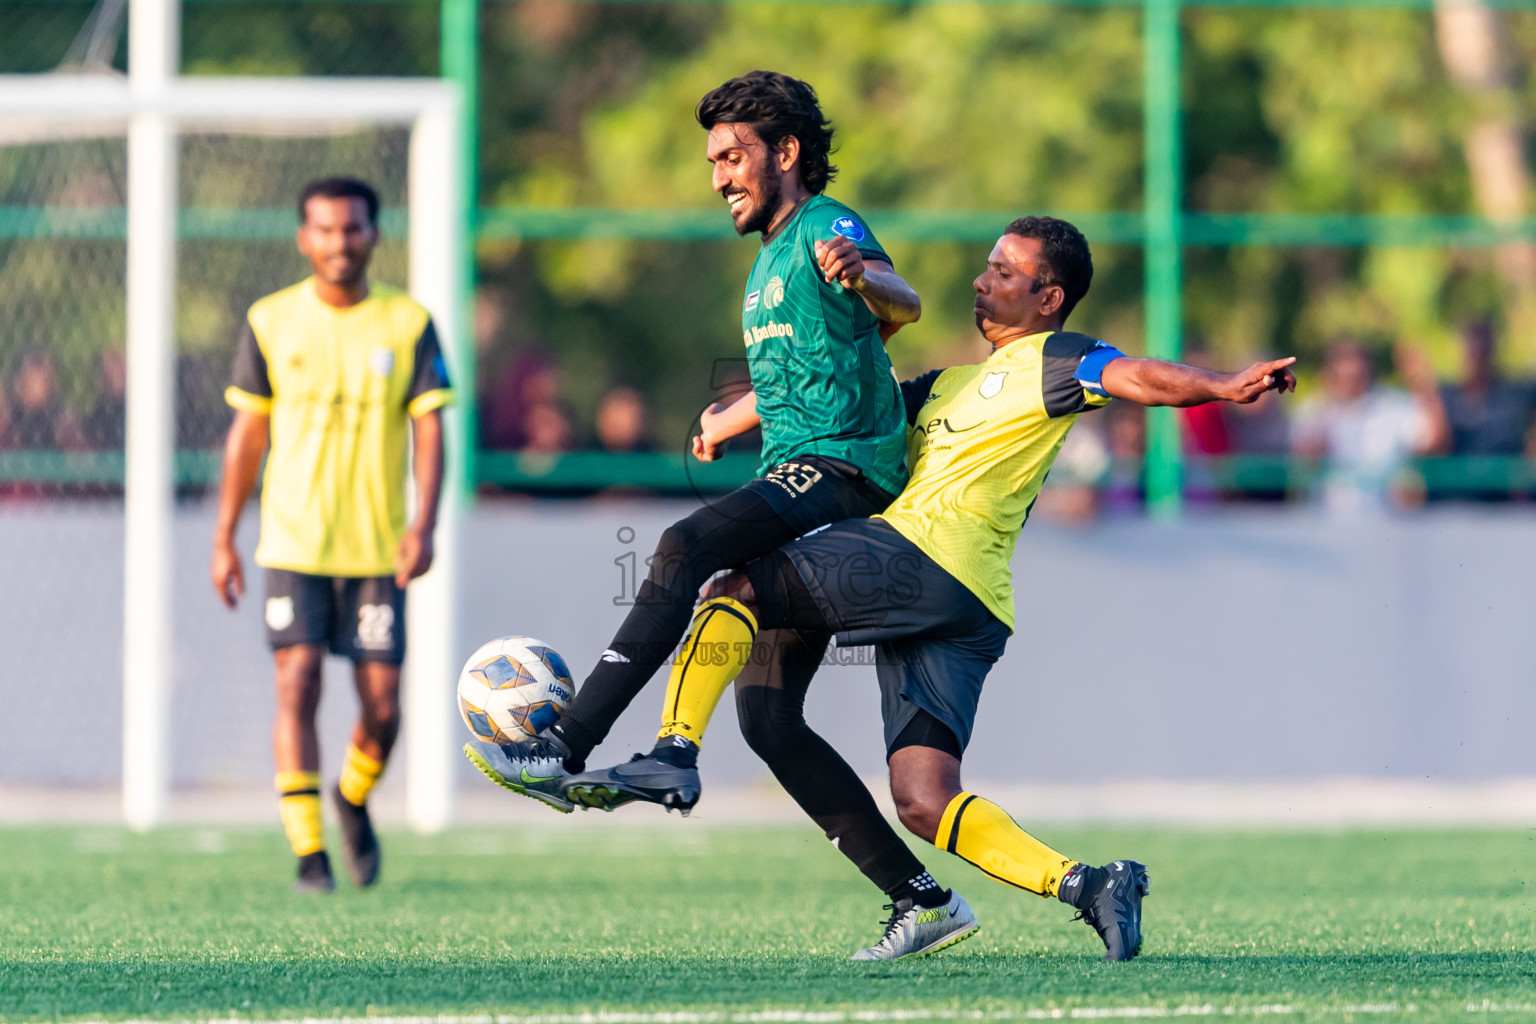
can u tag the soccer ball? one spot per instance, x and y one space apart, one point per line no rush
513 688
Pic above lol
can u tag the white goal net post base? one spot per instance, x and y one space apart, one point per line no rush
150 115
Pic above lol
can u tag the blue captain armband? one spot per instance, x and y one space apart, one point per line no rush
1090 368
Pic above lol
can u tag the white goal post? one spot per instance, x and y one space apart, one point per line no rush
148 109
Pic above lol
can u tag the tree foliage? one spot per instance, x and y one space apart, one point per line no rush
955 106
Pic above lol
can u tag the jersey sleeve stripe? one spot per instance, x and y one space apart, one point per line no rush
429 400
875 254
1090 369
247 402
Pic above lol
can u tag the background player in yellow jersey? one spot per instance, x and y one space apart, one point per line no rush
928 581
342 374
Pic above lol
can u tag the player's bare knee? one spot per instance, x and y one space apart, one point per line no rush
921 793
298 678
919 810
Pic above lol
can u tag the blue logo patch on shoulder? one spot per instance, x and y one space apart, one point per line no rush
849 228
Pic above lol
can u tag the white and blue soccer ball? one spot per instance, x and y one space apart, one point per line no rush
513 688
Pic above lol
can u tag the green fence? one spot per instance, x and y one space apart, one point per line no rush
575 474
1164 229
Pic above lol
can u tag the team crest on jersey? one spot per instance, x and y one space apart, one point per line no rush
849 228
752 300
774 293
381 361
993 384
279 613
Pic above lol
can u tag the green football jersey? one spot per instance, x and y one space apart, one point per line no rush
824 383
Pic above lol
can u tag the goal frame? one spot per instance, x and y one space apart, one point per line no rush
150 110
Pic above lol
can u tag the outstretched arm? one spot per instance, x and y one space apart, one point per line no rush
719 423
875 281
1154 382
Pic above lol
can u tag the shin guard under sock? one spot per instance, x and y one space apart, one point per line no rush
982 833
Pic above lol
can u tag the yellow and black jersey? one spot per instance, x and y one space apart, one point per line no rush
982 439
340 387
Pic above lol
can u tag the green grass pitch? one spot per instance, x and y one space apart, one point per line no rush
753 924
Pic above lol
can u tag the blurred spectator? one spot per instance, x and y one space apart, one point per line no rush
1487 414
1205 426
38 418
623 423
547 429
202 417
7 437
1204 432
1220 429
1070 493
1125 427
105 426
521 408
1261 427
1366 431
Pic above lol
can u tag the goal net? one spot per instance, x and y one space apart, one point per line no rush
198 706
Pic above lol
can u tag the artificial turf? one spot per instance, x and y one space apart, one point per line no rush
199 923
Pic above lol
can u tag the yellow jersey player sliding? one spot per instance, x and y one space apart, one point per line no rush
928 581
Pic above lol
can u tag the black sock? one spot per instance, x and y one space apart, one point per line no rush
921 890
649 634
831 792
728 531
577 739
1077 884
678 751
824 785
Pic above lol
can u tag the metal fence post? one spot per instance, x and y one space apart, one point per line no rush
1163 153
460 63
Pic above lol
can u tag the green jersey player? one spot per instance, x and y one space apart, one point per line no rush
821 301
815 394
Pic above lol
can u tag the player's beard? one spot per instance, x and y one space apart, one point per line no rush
770 190
349 275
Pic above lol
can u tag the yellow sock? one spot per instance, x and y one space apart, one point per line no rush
299 804
359 774
717 649
981 832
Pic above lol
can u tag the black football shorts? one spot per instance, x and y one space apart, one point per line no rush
356 617
864 582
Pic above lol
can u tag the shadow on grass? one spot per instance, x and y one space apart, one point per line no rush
463 982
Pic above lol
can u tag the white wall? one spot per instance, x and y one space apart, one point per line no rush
1248 646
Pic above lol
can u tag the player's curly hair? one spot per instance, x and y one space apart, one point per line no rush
776 106
340 188
1068 263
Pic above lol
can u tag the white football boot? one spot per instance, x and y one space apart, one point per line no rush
535 768
918 931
